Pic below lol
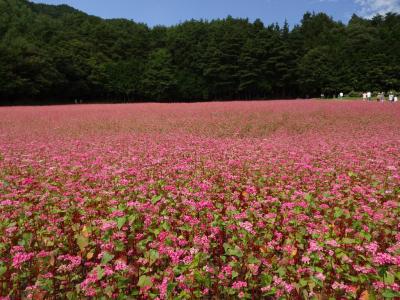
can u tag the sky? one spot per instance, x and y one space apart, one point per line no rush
170 12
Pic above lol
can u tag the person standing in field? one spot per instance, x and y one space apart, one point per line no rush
364 96
369 95
391 96
383 97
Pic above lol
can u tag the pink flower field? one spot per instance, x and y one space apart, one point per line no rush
251 200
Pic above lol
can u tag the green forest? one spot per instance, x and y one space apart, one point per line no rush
56 54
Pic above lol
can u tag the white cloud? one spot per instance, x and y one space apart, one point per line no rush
369 8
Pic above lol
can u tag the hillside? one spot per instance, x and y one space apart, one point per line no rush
52 54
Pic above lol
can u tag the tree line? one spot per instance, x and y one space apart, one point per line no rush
56 54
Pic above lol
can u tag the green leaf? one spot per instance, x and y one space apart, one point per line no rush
171 287
281 271
180 269
71 296
199 277
235 252
338 213
234 274
154 255
389 294
155 231
100 272
107 257
303 282
253 260
397 275
266 279
389 278
318 269
308 197
165 226
144 281
27 237
3 269
82 242
226 246
184 295
349 241
372 295
196 260
155 199
352 174
119 246
135 293
121 222
186 227
132 218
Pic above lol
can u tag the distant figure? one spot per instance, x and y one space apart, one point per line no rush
364 95
391 97
76 101
395 99
322 96
341 95
380 97
369 96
